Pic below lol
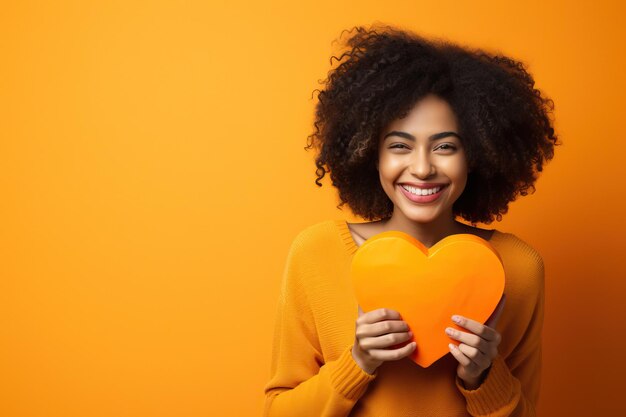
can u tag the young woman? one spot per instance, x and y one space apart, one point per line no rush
417 135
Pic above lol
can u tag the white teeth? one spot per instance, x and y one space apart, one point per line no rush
421 191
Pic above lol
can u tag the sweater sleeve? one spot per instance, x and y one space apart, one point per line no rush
511 387
301 382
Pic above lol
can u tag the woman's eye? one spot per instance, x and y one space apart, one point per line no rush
398 145
446 146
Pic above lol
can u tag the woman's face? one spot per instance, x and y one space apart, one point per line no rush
421 152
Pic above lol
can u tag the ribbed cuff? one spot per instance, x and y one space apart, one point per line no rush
347 376
497 390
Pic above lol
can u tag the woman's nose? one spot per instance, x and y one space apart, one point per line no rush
422 166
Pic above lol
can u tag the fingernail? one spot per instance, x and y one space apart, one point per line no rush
456 319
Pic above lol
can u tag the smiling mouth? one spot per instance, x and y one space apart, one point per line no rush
419 191
429 195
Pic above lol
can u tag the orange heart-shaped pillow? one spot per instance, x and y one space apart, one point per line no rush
461 274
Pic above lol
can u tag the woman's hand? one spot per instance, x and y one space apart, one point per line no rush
376 330
477 349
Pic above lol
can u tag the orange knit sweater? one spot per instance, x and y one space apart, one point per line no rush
314 374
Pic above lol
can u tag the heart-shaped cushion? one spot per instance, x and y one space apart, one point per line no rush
461 274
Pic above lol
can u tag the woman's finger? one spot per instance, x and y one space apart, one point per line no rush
378 315
459 356
469 339
477 328
392 354
384 341
381 328
384 327
477 359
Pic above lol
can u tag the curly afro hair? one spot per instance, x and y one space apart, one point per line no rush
504 121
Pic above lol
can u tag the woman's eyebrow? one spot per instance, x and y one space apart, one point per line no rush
435 136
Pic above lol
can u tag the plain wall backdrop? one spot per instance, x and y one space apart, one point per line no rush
153 176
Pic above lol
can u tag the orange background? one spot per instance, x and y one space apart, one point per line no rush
153 176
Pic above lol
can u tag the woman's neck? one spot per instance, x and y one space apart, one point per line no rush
427 233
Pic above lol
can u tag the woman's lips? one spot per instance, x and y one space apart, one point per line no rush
422 198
